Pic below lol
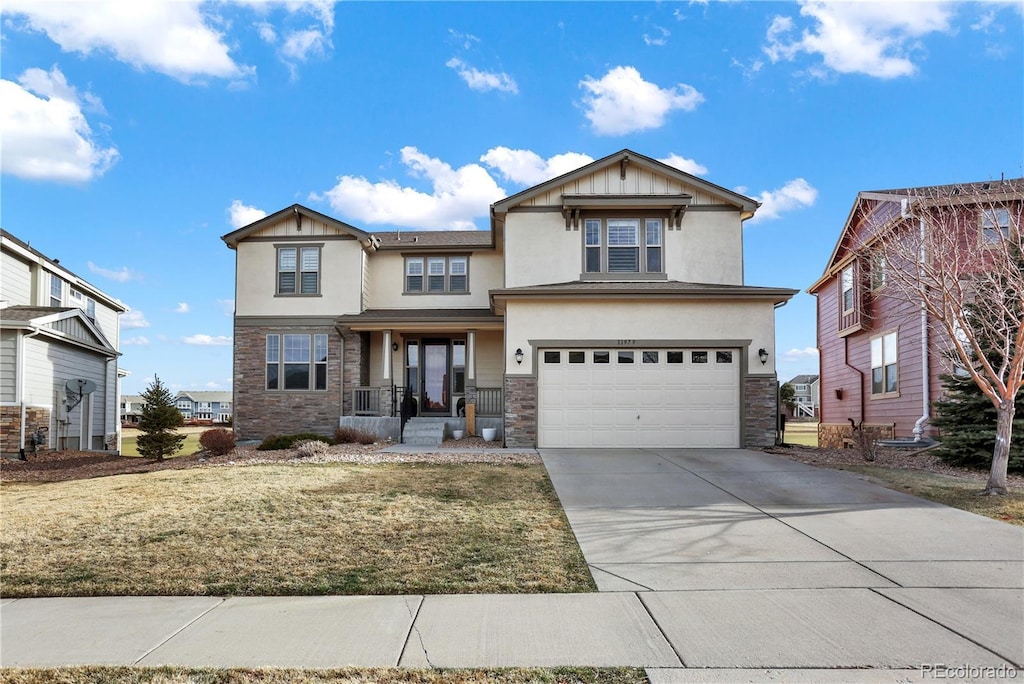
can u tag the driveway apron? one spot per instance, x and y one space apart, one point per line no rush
745 559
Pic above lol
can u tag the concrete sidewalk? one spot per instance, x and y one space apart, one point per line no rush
723 565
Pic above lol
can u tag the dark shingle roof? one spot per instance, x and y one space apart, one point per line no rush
411 239
803 380
29 313
994 187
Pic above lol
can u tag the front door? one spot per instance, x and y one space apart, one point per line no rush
435 391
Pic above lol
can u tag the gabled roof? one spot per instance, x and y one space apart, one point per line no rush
233 238
206 395
804 380
43 318
746 204
925 195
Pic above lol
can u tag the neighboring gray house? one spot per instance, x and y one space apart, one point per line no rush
131 409
203 406
58 334
806 394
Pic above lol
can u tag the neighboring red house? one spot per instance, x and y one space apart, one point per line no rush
879 360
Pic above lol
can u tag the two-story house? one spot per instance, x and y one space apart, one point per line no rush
204 406
881 357
131 409
806 396
59 380
602 308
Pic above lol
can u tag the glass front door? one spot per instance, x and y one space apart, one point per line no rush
435 389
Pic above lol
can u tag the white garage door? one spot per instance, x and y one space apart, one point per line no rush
638 398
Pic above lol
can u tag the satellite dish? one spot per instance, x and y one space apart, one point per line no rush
75 389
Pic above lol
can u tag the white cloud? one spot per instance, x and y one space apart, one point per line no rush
465 39
658 37
878 39
795 194
139 340
299 45
207 340
133 319
241 215
121 275
227 306
295 44
483 80
46 135
172 38
528 168
457 196
690 166
800 354
623 102
266 32
182 308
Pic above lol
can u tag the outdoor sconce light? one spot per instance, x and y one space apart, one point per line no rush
839 393
762 354
519 356
394 346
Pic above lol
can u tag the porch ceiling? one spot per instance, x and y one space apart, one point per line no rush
416 320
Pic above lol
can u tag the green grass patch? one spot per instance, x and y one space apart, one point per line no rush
805 434
130 443
956 491
179 675
274 530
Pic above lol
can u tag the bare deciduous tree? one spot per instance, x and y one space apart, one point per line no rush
955 254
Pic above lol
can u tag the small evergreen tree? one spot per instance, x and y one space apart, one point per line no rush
967 420
787 396
158 422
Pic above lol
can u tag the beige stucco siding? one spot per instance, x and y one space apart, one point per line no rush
387 282
611 321
340 279
707 249
608 181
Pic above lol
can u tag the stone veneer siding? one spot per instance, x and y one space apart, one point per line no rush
520 411
10 429
760 410
259 412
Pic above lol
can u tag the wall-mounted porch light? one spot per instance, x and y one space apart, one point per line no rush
762 354
519 355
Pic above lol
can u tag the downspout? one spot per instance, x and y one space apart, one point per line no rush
859 372
926 409
21 388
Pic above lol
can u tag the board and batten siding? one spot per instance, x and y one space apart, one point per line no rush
608 181
16 285
8 366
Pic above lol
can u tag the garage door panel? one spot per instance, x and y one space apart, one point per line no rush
653 404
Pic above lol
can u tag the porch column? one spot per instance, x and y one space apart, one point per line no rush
386 370
471 357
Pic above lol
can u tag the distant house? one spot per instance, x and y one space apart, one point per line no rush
131 409
602 308
59 380
880 363
806 396
204 406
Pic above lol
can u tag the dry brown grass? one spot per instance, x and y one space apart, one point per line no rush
175 675
287 530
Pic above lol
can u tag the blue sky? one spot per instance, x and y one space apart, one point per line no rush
136 134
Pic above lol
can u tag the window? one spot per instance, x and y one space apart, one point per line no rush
414 275
76 295
298 270
698 357
653 240
674 357
650 357
602 357
723 357
884 360
846 288
90 308
878 274
995 226
625 357
577 357
444 275
614 246
56 290
552 357
300 365
459 366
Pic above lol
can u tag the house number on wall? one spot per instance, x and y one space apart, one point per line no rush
624 343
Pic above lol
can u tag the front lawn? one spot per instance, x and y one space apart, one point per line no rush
130 441
291 530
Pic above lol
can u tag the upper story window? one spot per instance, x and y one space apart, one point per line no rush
90 308
184 404
442 274
846 288
298 270
622 246
995 226
56 290
879 275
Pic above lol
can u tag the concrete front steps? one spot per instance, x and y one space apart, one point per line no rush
424 431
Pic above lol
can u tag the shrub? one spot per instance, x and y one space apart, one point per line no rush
311 448
350 435
275 442
218 441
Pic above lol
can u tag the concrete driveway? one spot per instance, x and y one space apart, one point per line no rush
749 560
